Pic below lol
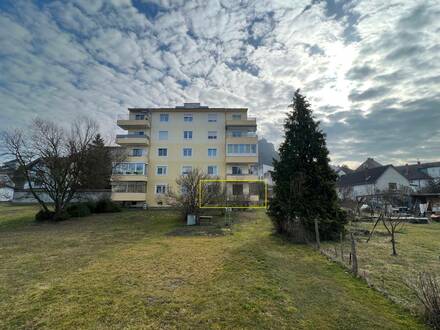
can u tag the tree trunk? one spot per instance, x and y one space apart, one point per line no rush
393 243
342 247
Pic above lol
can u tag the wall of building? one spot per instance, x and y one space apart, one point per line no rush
176 142
391 176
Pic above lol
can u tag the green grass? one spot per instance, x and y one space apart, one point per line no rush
418 248
126 270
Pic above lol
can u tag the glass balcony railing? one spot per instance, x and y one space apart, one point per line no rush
131 136
241 134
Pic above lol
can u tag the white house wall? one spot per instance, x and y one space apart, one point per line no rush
391 176
6 194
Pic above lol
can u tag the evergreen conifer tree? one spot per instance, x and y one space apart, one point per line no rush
304 183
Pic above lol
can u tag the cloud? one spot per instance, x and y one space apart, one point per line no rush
368 67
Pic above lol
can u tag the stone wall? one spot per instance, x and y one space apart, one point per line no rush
24 196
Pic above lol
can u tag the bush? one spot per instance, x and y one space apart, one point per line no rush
91 205
107 206
50 216
427 288
43 215
78 210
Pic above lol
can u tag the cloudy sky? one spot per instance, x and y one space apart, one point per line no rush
370 68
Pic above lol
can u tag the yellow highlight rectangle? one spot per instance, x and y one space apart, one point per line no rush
232 207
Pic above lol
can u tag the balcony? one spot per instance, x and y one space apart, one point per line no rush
127 122
244 138
128 197
249 122
245 159
132 139
129 177
240 177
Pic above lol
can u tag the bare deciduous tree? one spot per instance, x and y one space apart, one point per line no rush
51 158
194 193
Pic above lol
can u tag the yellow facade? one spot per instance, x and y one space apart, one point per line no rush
161 129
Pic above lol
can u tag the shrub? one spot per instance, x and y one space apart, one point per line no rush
107 206
50 216
43 215
427 288
91 205
78 210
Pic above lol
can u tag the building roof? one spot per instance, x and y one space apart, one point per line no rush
413 172
368 163
187 107
368 176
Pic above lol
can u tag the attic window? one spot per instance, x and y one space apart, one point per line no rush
392 186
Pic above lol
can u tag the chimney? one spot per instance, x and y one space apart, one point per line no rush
418 162
407 169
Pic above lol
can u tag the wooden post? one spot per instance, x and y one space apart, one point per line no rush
354 264
342 247
318 243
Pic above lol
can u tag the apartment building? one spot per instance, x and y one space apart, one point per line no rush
164 143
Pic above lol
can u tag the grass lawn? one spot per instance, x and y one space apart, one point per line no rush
134 270
418 249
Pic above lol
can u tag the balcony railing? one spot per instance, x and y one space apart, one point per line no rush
131 136
242 134
128 117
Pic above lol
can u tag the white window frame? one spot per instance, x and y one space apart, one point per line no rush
236 116
160 185
141 154
158 154
188 117
163 116
161 138
215 152
212 117
186 149
186 166
214 167
162 167
211 135
190 133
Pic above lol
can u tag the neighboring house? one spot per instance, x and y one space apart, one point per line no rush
370 181
420 174
6 188
368 164
164 143
341 170
264 173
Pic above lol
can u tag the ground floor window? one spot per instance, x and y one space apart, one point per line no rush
237 189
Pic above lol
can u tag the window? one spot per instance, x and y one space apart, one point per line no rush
139 117
163 135
164 117
188 117
187 152
161 170
236 170
137 133
212 118
129 169
236 133
392 186
187 135
212 170
212 152
236 116
186 169
161 189
242 149
162 152
129 187
254 188
212 135
237 189
137 152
